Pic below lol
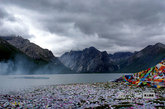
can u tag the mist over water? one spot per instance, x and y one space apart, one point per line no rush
18 65
21 73
23 65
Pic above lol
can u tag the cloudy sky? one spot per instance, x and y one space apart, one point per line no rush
64 25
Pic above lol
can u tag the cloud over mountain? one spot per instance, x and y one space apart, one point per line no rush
61 25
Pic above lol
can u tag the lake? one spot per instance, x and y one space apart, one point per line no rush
14 82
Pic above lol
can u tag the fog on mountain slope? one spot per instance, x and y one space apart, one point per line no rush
19 55
14 61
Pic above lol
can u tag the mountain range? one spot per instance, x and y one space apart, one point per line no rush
88 60
20 53
30 49
93 60
143 59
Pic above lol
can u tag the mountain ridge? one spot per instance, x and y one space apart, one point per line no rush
32 50
47 63
124 61
88 60
145 58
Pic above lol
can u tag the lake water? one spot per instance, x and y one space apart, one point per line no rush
13 82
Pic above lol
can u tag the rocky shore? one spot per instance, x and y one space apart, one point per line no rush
83 96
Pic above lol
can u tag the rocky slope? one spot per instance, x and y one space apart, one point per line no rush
120 56
7 51
13 61
21 55
32 50
147 57
88 60
92 60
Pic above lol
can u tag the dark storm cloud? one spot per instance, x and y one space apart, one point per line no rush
2 13
131 24
5 15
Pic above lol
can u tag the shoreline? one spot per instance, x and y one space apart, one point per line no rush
83 95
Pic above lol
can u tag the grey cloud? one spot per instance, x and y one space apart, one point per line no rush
4 15
124 23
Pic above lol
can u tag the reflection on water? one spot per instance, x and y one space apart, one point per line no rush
13 82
